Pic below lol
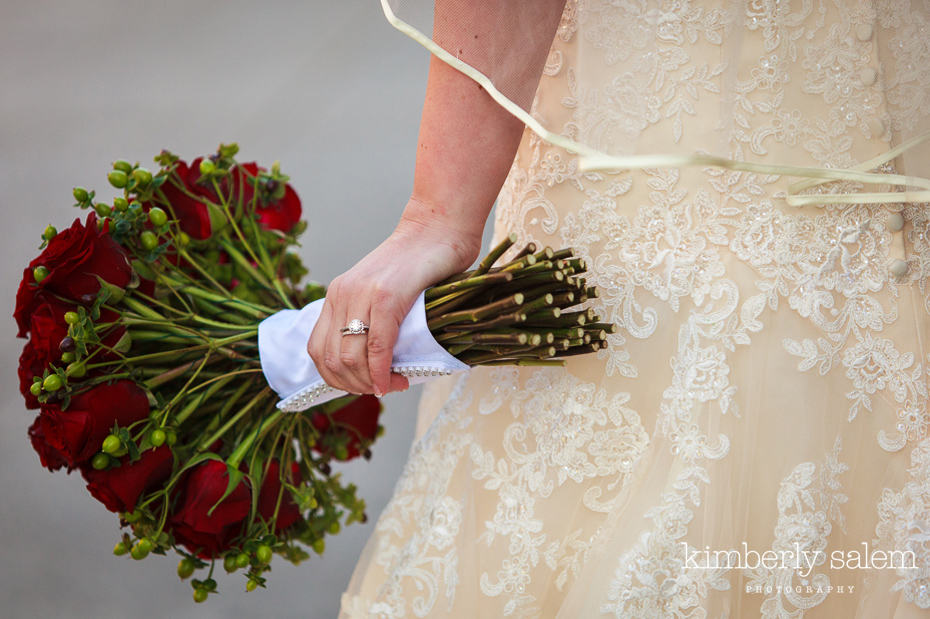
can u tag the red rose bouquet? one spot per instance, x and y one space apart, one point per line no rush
142 358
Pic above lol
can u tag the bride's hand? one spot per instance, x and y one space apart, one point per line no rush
379 290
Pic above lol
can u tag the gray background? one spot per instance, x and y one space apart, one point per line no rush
333 92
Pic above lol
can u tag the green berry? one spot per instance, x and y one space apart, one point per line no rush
133 516
251 585
100 462
200 595
111 444
142 176
158 437
49 233
334 527
77 370
35 388
149 240
142 549
103 210
183 239
263 554
319 546
242 560
80 194
185 568
120 204
135 207
39 273
229 564
72 318
120 549
67 357
342 452
157 216
209 584
118 179
172 436
207 167
51 383
122 165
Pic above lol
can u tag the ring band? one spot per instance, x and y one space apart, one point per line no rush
355 327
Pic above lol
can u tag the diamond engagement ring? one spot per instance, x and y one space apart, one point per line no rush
355 327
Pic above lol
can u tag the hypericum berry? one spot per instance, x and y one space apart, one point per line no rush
319 546
242 559
35 388
39 273
251 585
111 444
100 462
334 527
67 344
157 216
209 584
183 239
103 210
51 383
120 204
263 554
77 370
135 207
122 165
80 194
49 233
72 318
158 437
142 176
141 549
342 452
118 178
185 568
120 549
200 595
149 240
172 437
229 564
207 167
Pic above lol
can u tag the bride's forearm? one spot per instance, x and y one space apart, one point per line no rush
467 141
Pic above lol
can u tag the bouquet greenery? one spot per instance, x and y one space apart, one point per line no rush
142 358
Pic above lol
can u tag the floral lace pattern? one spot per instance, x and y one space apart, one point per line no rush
530 485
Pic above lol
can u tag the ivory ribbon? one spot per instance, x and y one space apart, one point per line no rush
590 159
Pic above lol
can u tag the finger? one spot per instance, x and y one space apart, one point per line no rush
381 339
341 376
399 382
319 340
354 349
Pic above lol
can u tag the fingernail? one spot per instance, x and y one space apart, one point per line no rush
378 394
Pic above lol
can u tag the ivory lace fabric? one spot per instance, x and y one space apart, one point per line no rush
767 389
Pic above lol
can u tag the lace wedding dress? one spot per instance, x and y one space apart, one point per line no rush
767 389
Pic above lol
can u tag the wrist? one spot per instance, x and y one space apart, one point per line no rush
422 220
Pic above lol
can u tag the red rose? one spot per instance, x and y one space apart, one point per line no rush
288 512
76 433
280 214
199 490
357 420
119 488
47 328
49 458
75 258
193 215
